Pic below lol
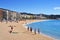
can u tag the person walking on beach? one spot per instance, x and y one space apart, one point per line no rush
34 31
30 29
38 31
11 29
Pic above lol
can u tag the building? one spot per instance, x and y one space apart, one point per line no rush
7 14
26 15
3 14
11 15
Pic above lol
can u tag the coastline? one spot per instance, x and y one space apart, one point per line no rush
32 22
37 32
19 32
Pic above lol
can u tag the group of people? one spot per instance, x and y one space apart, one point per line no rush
11 28
30 29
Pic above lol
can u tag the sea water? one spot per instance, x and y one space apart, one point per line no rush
50 27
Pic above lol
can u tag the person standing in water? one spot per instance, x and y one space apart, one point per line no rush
34 31
38 31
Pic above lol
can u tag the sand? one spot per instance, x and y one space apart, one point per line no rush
19 32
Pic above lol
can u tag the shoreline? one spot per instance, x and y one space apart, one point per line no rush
24 25
19 32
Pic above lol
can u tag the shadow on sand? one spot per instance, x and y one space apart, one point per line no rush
15 32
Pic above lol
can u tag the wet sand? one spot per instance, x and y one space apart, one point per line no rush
19 32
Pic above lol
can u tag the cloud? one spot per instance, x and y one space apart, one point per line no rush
57 8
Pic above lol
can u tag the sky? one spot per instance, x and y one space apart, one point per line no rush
32 6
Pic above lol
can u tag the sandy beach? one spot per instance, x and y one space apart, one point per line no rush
19 32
